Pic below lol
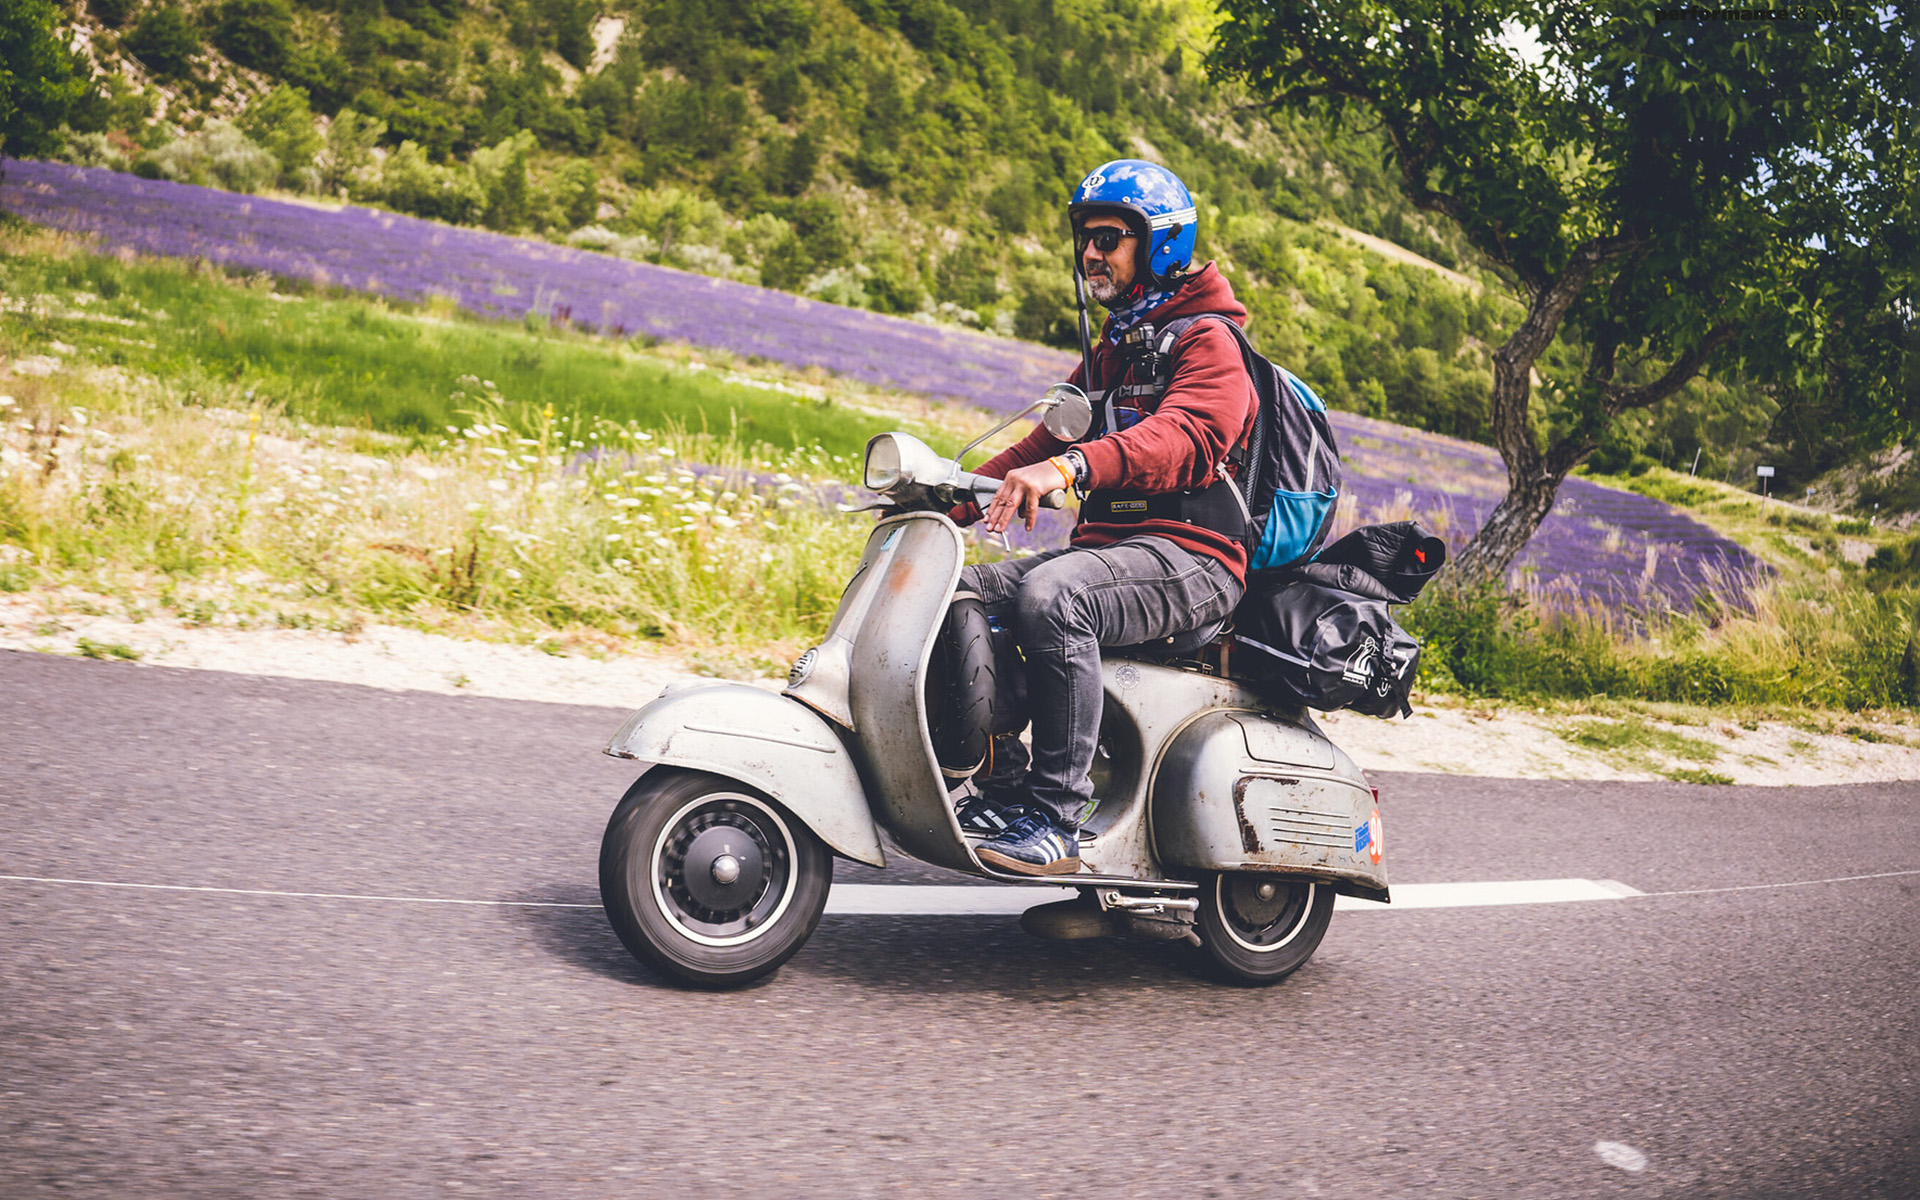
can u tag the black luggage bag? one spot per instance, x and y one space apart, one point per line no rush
1322 632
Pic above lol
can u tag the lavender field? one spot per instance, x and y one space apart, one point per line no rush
1599 544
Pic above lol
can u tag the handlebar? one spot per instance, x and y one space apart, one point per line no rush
987 485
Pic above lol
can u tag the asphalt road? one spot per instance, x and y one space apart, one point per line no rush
1749 1043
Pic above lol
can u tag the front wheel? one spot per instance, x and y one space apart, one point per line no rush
709 880
1259 929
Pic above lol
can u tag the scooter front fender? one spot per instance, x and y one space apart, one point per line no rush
769 742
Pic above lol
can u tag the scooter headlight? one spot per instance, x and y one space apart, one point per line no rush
882 469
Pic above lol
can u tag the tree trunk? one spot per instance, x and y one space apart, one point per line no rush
1531 484
1505 533
1533 476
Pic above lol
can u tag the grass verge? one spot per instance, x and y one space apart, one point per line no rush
364 363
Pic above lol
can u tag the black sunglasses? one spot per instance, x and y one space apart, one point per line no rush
1105 239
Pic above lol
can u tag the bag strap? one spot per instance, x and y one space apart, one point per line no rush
1252 451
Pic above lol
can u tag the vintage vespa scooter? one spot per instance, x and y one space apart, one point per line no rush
1226 820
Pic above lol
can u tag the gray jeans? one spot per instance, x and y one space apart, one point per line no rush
1062 606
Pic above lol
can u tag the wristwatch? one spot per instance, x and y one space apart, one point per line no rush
1077 463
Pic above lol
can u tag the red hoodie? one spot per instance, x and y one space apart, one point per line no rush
1207 410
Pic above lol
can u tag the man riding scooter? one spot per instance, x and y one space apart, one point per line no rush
1159 549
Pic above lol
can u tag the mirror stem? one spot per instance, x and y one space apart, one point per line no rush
972 445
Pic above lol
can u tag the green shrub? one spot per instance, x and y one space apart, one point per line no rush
1893 566
347 158
165 41
254 33
1823 647
281 122
412 184
574 196
112 13
218 154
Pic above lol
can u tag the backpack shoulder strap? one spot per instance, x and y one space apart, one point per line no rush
1249 451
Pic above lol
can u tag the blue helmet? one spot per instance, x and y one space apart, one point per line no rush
1154 203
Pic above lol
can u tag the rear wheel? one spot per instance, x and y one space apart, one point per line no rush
709 880
1259 929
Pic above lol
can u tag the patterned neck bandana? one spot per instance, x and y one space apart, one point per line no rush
1122 319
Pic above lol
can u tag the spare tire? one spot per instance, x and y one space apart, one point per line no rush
961 685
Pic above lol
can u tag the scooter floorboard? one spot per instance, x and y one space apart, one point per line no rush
1085 879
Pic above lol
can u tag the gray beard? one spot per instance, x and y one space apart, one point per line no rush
1103 289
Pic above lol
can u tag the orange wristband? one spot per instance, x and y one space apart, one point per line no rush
1066 472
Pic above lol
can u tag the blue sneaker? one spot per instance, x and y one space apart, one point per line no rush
1033 845
983 817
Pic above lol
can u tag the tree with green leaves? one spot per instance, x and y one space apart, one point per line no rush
1667 192
39 80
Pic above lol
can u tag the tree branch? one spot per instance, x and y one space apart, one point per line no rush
1552 300
1618 399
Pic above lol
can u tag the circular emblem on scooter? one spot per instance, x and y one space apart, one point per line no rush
1375 846
802 667
1128 677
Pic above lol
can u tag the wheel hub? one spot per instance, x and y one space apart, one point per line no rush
724 868
1263 911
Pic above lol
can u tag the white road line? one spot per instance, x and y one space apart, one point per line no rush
876 899
1753 887
879 899
908 900
227 891
1483 895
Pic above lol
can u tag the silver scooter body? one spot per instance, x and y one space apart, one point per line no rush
1220 810
1196 774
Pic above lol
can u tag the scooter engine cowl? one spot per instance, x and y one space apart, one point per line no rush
1245 792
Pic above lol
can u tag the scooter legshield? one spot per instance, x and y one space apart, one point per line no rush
869 676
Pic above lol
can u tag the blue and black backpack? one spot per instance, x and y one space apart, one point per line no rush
1288 469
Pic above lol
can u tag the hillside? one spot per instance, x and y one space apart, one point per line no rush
904 156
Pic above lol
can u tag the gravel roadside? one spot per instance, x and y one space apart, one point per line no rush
1444 736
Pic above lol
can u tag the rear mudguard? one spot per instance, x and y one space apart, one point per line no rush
1248 791
769 742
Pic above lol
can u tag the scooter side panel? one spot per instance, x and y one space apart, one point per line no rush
917 560
1218 807
766 741
1146 706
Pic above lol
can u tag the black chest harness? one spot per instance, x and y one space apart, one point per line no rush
1146 370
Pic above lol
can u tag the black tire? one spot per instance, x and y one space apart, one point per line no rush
666 889
1257 940
961 688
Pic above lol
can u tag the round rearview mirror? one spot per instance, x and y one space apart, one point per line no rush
1069 412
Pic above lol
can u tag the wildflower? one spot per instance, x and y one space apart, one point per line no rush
621 564
511 573
498 485
615 537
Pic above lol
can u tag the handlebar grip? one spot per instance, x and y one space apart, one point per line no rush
1057 498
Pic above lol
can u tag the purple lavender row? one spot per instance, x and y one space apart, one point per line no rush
491 273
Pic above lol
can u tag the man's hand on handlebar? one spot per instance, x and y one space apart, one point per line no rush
1020 494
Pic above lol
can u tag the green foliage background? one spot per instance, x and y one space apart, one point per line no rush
908 156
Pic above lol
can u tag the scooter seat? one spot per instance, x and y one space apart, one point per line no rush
1182 646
